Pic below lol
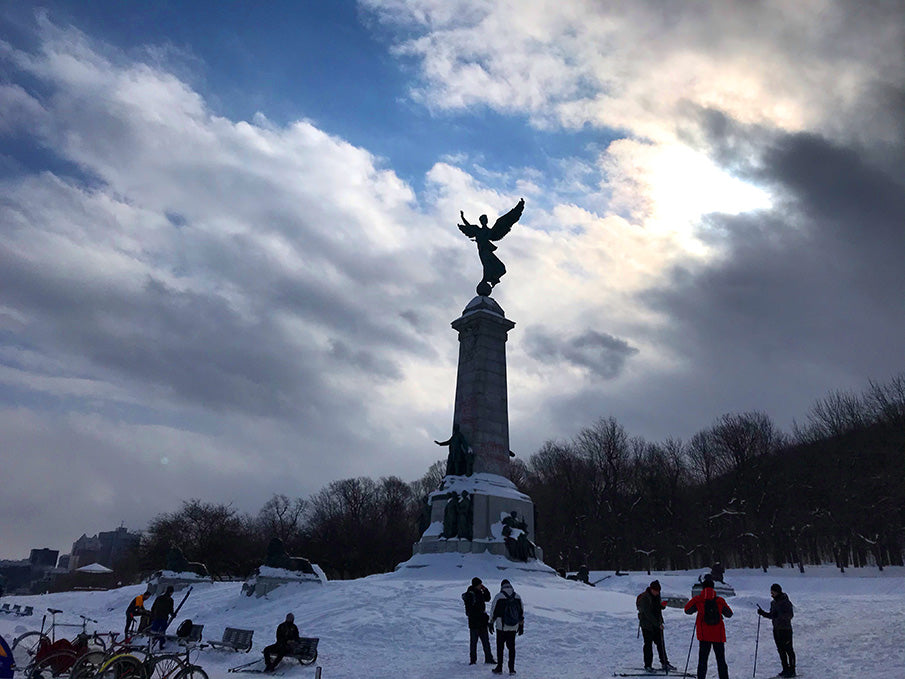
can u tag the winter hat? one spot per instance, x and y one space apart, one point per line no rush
475 582
708 581
655 584
776 588
504 583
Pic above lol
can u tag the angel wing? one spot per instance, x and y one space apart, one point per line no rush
503 225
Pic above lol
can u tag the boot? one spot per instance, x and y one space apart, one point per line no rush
497 670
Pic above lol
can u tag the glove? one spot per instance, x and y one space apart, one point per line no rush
490 629
761 612
521 630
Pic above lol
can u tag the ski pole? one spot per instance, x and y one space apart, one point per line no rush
756 644
690 644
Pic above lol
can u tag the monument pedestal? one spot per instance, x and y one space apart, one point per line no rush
482 417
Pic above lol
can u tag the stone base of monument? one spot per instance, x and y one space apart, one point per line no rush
493 499
159 582
267 579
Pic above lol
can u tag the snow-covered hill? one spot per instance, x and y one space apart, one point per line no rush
410 624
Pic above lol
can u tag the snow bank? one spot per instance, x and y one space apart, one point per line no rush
411 624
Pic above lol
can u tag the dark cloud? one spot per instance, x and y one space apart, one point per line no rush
597 352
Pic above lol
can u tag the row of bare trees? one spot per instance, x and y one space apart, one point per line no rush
741 492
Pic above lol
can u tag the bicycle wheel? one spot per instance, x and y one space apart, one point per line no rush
122 667
88 665
54 665
192 672
25 647
165 666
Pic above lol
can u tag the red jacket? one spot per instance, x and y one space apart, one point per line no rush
706 632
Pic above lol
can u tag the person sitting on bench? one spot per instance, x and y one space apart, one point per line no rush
287 638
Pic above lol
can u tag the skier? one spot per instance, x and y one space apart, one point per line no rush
650 617
709 627
478 621
781 612
287 637
508 616
136 608
161 613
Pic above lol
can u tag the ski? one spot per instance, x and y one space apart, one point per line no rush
640 672
176 612
249 668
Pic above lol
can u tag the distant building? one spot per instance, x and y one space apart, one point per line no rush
63 562
105 548
44 558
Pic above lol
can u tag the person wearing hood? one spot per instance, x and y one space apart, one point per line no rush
507 615
650 618
781 612
287 638
709 627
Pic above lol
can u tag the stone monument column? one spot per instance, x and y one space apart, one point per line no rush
482 406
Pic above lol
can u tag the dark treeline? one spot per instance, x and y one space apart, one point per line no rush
741 492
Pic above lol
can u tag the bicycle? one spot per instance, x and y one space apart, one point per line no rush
28 648
127 665
190 670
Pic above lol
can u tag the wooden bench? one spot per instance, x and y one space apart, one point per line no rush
234 639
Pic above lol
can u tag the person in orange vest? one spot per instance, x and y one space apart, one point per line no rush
136 609
709 627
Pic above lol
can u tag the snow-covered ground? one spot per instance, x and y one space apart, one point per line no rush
411 623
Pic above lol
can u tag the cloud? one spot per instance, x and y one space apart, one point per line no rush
599 353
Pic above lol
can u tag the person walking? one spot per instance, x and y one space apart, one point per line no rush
287 637
136 609
650 618
475 598
781 612
161 614
709 627
507 615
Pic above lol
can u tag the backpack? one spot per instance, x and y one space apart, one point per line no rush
711 612
512 611
184 629
469 599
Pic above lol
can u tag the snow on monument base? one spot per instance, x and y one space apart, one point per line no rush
158 582
267 579
493 499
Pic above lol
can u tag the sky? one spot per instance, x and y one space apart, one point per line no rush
229 254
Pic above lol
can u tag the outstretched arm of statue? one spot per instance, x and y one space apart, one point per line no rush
443 443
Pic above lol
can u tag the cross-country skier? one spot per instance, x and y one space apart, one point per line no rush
508 616
781 612
711 631
650 617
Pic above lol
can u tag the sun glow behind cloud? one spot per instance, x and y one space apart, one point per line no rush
669 187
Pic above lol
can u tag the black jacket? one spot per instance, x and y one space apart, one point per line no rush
650 610
781 612
475 598
162 608
287 633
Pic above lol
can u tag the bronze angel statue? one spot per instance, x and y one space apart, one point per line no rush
483 236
